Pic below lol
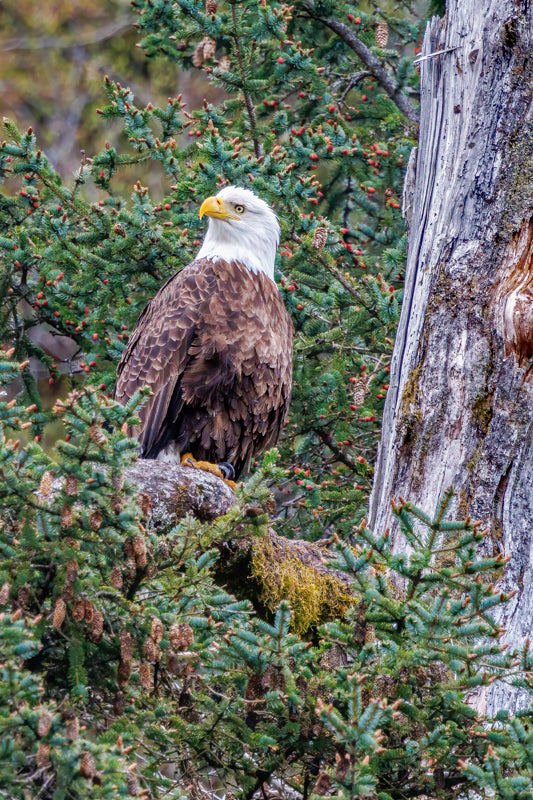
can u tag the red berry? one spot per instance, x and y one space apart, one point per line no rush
281 60
350 17
313 157
361 459
167 206
95 336
299 307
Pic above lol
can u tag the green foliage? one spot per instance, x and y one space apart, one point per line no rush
128 669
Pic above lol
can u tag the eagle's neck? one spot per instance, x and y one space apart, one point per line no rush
256 252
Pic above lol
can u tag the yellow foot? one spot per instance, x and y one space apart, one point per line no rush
188 460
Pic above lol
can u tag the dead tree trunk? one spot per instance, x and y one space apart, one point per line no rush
460 405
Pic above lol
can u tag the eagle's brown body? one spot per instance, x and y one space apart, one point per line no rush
215 346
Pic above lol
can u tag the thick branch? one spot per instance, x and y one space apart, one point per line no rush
372 62
170 492
173 491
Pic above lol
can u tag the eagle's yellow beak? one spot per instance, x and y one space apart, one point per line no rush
215 207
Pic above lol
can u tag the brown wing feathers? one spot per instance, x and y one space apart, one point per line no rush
215 345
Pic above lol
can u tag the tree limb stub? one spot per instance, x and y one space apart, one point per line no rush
373 63
168 493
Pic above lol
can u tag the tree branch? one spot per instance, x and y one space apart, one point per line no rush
372 62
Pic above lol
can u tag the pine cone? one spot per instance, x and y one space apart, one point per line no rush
210 47
181 636
66 516
126 645
60 612
23 595
116 577
67 593
78 611
323 783
211 6
224 64
139 548
43 755
87 765
4 593
45 723
389 193
384 686
145 675
359 391
319 238
97 435
116 504
157 630
97 626
198 55
95 520
45 487
88 611
132 784
382 34
73 729
117 481
151 650
72 571
123 673
174 665
71 486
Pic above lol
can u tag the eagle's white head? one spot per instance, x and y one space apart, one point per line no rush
242 227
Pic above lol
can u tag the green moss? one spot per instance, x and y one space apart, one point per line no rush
313 596
482 411
409 393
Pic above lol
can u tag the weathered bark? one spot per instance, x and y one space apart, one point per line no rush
173 491
460 405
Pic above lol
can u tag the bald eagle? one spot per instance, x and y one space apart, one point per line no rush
215 345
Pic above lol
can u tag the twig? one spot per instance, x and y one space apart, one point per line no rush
328 439
437 53
247 99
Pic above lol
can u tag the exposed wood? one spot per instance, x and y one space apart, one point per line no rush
460 405
172 491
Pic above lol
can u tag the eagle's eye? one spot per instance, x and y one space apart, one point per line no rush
239 209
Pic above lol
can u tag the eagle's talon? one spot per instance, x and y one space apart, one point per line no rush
227 470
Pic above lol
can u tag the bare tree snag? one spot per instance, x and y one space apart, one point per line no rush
460 405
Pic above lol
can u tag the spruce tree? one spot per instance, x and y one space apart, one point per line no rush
128 669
